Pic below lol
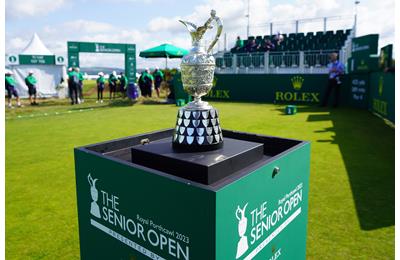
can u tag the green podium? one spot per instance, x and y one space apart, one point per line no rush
138 199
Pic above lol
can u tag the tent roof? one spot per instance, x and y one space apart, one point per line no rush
36 47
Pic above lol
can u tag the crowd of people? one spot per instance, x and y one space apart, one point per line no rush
75 85
147 80
252 46
10 86
116 83
119 83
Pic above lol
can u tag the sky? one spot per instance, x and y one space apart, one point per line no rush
148 23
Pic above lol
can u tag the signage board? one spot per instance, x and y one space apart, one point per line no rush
365 45
382 92
359 90
74 48
60 60
127 211
12 59
386 57
272 88
37 59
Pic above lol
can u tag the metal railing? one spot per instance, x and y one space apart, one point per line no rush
345 52
314 62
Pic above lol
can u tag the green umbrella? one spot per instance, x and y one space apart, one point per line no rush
164 51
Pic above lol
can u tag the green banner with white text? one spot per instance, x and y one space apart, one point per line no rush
382 94
129 51
270 88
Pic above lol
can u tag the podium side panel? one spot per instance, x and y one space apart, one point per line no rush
264 217
126 212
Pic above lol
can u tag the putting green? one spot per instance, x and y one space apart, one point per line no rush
351 185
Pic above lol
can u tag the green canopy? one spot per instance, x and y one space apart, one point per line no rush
164 51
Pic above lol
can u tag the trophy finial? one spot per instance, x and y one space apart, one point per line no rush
197 32
213 13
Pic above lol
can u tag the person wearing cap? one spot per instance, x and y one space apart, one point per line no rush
112 84
10 87
158 78
80 85
123 83
73 82
100 87
30 82
148 82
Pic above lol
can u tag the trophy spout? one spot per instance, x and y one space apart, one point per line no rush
192 29
189 26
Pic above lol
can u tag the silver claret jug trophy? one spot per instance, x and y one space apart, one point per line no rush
197 126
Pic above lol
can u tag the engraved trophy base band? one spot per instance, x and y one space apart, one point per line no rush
197 130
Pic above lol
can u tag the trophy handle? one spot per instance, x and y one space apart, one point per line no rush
219 31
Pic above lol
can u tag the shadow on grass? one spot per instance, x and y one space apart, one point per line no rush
367 148
154 102
125 102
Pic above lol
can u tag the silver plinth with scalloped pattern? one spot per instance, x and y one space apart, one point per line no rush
197 130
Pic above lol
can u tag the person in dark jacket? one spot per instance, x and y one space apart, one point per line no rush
141 85
11 90
31 82
100 87
123 83
266 45
112 84
148 82
158 76
73 85
251 45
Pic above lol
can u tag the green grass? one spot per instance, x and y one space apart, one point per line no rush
351 212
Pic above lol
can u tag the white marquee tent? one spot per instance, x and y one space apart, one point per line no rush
48 75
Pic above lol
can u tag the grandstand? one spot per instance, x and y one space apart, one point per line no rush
297 53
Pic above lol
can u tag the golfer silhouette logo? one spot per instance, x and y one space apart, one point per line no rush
94 208
242 226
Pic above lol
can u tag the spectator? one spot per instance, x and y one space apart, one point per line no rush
251 45
141 84
158 78
279 38
238 45
123 83
148 82
100 87
30 82
73 85
336 71
10 87
170 82
266 45
112 84
80 85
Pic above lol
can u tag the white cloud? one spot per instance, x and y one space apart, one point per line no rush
87 26
23 8
377 17
164 24
374 17
16 43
